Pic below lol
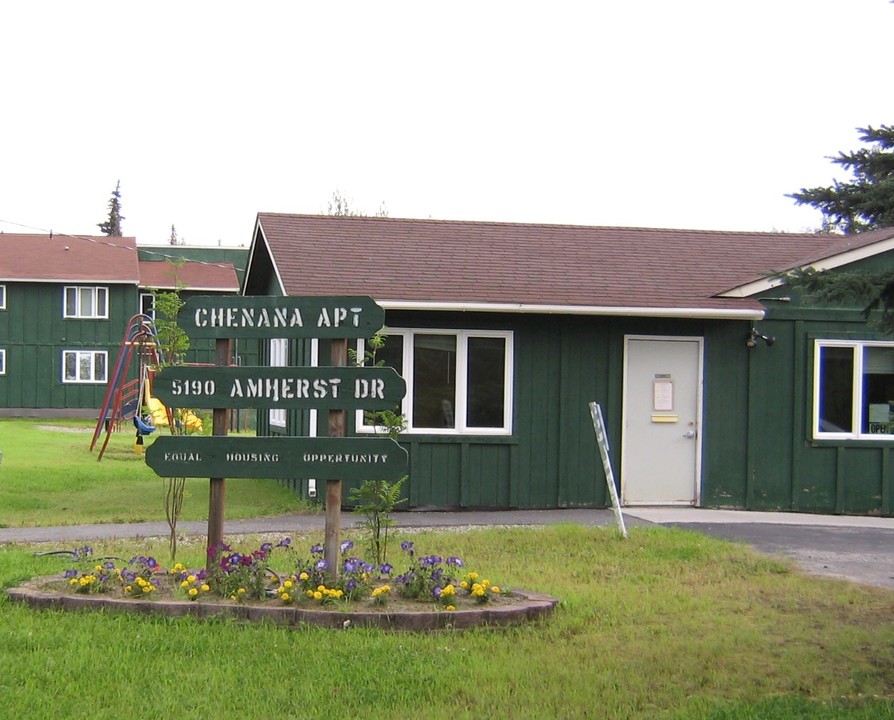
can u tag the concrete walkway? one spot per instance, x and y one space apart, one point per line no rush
859 549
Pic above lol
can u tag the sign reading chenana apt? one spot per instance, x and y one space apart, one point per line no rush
281 317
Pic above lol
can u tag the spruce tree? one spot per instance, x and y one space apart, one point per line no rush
112 226
867 201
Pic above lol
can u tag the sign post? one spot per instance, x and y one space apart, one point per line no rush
336 388
602 441
217 489
338 358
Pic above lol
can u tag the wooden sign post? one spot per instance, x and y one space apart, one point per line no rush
336 388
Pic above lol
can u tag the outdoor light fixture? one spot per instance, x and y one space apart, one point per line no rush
752 337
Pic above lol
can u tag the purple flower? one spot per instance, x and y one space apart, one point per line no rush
267 548
386 568
437 590
321 565
352 565
246 561
70 574
316 549
454 562
346 545
284 543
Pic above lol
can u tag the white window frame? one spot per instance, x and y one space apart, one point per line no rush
100 310
78 355
459 412
2 361
147 297
279 357
856 347
2 297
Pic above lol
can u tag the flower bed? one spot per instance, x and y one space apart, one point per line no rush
432 593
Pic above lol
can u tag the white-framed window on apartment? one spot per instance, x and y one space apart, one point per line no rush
2 361
458 381
147 304
279 357
2 297
86 302
853 390
85 366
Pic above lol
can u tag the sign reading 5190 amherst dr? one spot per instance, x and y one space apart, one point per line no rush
345 388
352 458
206 316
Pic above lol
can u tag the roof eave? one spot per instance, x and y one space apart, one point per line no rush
827 263
601 310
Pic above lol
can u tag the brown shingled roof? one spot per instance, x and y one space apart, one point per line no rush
217 277
66 258
433 261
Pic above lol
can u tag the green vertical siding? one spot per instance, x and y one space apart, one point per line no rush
34 333
788 469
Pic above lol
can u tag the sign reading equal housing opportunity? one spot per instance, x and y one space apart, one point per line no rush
277 457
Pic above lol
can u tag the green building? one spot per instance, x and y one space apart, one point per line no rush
65 304
719 387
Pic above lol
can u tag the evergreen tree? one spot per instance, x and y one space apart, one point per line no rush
112 226
867 202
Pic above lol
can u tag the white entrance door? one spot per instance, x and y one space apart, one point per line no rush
661 446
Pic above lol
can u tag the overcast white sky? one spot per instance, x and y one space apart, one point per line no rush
690 113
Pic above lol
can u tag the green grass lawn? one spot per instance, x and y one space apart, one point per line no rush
666 624
49 476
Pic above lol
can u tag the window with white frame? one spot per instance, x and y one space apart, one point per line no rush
86 302
84 366
853 390
279 357
458 381
2 297
147 304
2 362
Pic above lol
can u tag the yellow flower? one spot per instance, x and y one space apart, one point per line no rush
205 588
98 568
193 592
128 589
303 576
73 581
309 593
288 584
321 588
286 597
472 576
147 588
190 579
318 595
451 607
240 591
184 584
464 585
495 589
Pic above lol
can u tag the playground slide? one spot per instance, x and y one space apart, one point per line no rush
191 421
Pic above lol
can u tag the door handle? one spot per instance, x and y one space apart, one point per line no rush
689 434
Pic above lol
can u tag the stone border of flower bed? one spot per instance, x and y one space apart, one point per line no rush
522 606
